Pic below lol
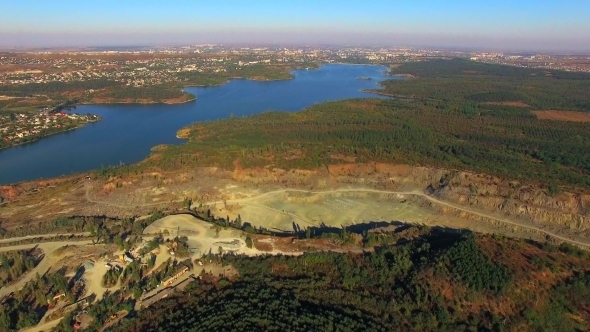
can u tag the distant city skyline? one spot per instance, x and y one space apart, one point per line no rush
503 25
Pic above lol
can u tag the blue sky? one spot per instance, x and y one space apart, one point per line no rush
533 24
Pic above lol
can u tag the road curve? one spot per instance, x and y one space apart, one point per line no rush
413 193
376 191
46 263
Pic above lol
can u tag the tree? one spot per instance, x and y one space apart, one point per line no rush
249 243
187 202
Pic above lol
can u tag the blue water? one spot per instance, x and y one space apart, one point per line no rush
128 132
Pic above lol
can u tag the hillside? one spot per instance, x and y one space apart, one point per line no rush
431 280
494 155
494 131
487 156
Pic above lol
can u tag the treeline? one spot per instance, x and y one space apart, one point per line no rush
123 232
463 80
257 71
436 282
71 224
482 138
154 93
455 67
110 304
27 306
27 90
135 280
14 264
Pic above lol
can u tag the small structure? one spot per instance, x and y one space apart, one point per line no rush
126 257
88 265
57 298
174 277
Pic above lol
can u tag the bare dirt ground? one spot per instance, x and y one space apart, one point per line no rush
202 237
50 261
343 196
93 279
563 116
255 198
348 206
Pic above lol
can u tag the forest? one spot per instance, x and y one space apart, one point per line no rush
14 264
156 93
30 89
457 81
444 280
494 140
27 306
490 132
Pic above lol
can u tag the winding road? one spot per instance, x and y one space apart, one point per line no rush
46 263
375 191
418 193
49 248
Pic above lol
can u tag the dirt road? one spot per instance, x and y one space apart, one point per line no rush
46 263
245 201
14 239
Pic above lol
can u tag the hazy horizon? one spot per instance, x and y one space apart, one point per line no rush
504 25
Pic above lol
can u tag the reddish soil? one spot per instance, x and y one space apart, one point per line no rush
262 246
563 116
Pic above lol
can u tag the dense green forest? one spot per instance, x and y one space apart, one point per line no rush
257 71
14 264
457 130
27 306
442 281
154 93
493 140
30 89
457 81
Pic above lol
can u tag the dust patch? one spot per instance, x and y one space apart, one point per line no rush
563 116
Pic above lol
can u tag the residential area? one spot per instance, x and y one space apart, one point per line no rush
18 128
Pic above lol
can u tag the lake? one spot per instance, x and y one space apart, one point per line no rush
128 132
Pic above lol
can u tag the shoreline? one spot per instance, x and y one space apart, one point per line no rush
193 98
54 133
241 78
292 76
184 126
137 103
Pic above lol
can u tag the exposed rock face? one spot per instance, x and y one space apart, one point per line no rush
9 192
566 211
